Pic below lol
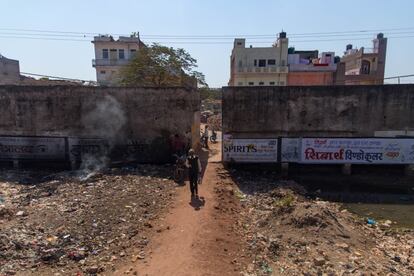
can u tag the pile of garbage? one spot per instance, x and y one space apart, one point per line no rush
292 234
214 122
78 222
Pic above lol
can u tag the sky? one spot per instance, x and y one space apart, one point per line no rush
228 18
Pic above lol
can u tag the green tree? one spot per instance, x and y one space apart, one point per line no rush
207 93
161 66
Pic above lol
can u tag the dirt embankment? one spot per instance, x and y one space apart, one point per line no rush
290 234
78 224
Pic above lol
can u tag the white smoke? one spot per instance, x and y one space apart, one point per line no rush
105 121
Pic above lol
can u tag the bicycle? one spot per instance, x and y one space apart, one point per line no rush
179 168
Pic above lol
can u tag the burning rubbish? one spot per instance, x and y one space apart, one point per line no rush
78 221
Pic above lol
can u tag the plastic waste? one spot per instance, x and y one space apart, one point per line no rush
371 221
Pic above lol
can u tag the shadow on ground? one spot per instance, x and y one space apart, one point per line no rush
197 203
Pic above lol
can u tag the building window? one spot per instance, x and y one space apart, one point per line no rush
262 63
113 54
133 52
255 62
271 62
282 62
240 63
105 53
103 72
251 83
365 67
240 83
282 83
239 43
272 83
261 83
121 54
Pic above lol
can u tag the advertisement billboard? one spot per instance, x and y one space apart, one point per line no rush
290 150
86 147
357 150
24 148
250 150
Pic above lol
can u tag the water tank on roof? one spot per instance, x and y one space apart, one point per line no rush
349 47
380 35
282 35
291 50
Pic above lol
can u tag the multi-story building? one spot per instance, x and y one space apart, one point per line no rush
9 71
112 55
281 65
311 68
259 65
364 65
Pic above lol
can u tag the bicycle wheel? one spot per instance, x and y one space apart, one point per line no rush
177 175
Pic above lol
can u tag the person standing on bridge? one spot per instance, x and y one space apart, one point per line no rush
194 171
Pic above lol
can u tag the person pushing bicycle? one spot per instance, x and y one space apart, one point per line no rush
194 171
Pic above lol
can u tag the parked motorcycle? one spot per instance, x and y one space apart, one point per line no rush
213 137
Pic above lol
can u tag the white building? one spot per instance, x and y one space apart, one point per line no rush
259 65
111 55
9 71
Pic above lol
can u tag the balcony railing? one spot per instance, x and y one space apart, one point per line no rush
272 69
370 50
311 67
109 62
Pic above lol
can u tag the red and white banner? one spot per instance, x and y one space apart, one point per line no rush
357 150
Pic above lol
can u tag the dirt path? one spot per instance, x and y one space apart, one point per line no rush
198 236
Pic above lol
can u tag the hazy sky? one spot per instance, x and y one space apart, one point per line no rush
229 18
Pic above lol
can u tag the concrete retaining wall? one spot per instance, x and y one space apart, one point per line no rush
143 118
324 111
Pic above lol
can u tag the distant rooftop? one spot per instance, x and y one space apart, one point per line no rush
109 38
4 59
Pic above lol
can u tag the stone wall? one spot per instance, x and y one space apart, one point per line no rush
135 123
329 111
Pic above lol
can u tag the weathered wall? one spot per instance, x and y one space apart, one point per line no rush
330 111
310 78
143 118
9 71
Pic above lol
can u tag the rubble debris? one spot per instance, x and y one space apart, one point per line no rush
214 122
74 222
289 233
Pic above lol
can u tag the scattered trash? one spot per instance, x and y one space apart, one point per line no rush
73 220
20 213
298 235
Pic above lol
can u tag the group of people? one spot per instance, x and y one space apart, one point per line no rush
181 147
